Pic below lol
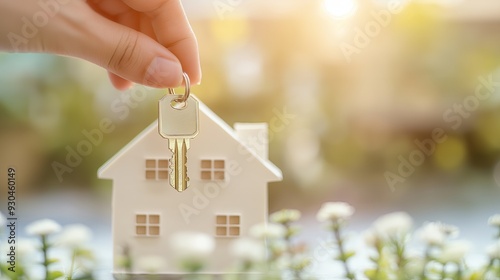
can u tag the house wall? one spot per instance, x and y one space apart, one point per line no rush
244 192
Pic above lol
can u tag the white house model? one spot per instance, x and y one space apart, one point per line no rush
229 172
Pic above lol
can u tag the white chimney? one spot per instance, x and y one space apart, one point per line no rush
255 136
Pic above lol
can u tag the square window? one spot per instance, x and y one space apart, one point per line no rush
206 175
213 169
219 175
154 219
219 164
150 163
154 230
140 230
234 220
150 174
221 231
157 169
221 220
162 163
227 225
140 219
147 224
234 231
162 174
206 163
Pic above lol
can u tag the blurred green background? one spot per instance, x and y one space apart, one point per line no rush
363 83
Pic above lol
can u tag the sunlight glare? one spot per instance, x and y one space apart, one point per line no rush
340 8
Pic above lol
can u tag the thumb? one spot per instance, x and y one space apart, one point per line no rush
123 51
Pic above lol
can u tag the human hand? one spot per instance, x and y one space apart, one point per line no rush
142 41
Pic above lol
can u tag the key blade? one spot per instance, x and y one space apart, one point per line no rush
185 178
178 172
172 145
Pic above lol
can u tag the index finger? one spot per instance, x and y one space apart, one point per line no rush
173 31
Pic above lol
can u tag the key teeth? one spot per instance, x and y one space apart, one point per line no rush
179 179
172 176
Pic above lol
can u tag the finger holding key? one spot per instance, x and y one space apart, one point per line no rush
173 31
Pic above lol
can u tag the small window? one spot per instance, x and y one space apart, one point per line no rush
227 225
213 169
156 169
147 224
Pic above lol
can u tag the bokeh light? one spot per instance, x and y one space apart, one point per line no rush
340 9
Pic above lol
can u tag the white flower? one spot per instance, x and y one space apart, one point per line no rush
435 233
393 225
494 220
193 245
494 250
2 220
278 247
246 249
25 247
415 265
449 230
371 238
432 234
151 264
334 211
296 262
284 262
300 261
271 231
285 216
74 235
43 227
434 265
455 251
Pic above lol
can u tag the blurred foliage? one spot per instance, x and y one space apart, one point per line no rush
354 117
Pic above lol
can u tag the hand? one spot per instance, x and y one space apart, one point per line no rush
142 41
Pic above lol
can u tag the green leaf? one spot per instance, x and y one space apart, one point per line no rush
346 256
52 260
293 231
84 253
87 276
370 273
55 274
349 254
476 276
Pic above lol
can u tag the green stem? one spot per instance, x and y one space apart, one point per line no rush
458 275
401 260
45 248
401 257
288 241
497 271
426 261
72 266
488 267
443 272
343 256
379 247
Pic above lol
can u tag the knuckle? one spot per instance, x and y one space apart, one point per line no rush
125 53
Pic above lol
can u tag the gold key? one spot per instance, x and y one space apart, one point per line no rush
178 122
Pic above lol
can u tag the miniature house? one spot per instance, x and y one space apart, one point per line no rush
229 173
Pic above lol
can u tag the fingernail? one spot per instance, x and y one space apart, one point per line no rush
163 73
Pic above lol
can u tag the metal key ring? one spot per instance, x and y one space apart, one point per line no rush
187 87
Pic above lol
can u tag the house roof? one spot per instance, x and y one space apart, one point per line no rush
275 171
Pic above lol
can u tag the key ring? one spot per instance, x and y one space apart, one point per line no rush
186 92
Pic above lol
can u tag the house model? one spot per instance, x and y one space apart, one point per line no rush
229 173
